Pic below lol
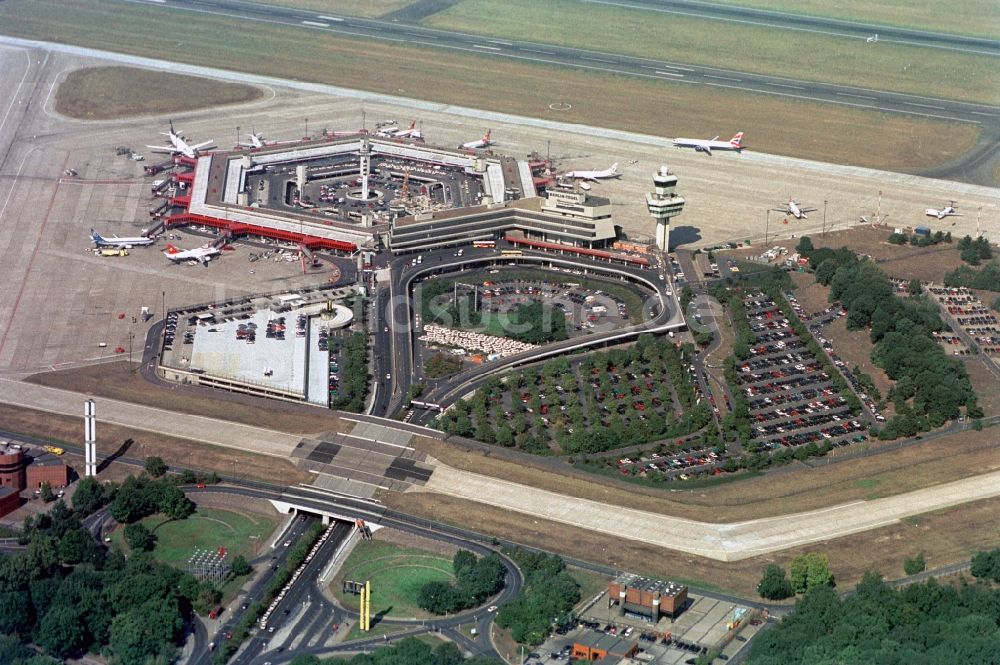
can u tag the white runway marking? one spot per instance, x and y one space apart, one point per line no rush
316 24
670 74
722 78
925 106
488 48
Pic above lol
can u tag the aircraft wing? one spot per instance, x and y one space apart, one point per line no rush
162 148
707 148
199 146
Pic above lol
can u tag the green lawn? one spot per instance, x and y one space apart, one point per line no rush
396 574
759 49
590 583
970 17
207 528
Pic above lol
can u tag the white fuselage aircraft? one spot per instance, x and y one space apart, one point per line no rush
946 211
611 172
410 132
203 254
707 146
797 210
115 241
484 142
178 145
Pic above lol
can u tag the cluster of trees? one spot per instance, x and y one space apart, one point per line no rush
930 387
535 323
986 565
986 279
926 623
353 374
439 365
920 240
476 579
141 496
806 571
66 595
549 592
585 426
975 251
408 651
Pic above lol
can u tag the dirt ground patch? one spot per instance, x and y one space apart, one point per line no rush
106 93
928 264
812 296
855 348
114 381
944 537
984 382
790 489
181 453
405 539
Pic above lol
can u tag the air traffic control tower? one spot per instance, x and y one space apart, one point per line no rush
663 203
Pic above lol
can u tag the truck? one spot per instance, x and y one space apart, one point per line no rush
111 251
55 450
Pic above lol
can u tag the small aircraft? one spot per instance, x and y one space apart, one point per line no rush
481 143
203 254
410 132
794 209
707 146
123 243
611 172
179 145
946 211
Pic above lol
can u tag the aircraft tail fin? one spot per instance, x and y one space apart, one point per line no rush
171 249
614 167
486 136
737 139
95 236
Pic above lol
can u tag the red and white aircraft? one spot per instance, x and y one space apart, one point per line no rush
481 143
707 146
410 132
203 254
611 172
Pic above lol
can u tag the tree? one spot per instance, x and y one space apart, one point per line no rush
155 466
986 565
808 571
61 631
89 496
913 287
174 504
805 246
241 566
145 632
139 538
46 492
774 585
915 565
17 614
305 659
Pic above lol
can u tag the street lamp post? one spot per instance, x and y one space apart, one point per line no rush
767 225
824 217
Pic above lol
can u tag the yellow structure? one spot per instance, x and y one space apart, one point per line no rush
366 606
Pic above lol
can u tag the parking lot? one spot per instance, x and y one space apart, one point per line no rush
792 400
964 309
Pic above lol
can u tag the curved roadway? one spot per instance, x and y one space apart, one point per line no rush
651 68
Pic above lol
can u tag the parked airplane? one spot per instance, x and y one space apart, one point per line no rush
481 143
946 211
611 172
410 132
256 141
706 146
203 254
123 243
179 145
796 210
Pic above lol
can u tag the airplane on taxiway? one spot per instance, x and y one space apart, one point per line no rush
410 132
123 243
707 146
796 210
481 143
946 211
179 145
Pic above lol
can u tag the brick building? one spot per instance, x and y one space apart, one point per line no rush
647 597
12 464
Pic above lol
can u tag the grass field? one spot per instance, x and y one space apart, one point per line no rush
397 573
368 8
103 93
782 126
800 55
208 528
969 17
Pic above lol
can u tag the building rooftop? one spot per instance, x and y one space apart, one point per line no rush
609 643
664 588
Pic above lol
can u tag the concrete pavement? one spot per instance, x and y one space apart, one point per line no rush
723 542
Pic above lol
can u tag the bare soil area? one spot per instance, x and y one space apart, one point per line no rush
928 264
110 93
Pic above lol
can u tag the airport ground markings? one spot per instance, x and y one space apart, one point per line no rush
751 48
782 126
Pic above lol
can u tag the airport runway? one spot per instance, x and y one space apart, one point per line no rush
610 63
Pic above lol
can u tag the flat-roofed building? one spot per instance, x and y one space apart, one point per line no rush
594 646
647 597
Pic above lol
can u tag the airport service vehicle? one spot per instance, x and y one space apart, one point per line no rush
610 172
707 146
122 243
484 244
203 254
481 143
179 145
511 252
946 211
111 251
55 450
